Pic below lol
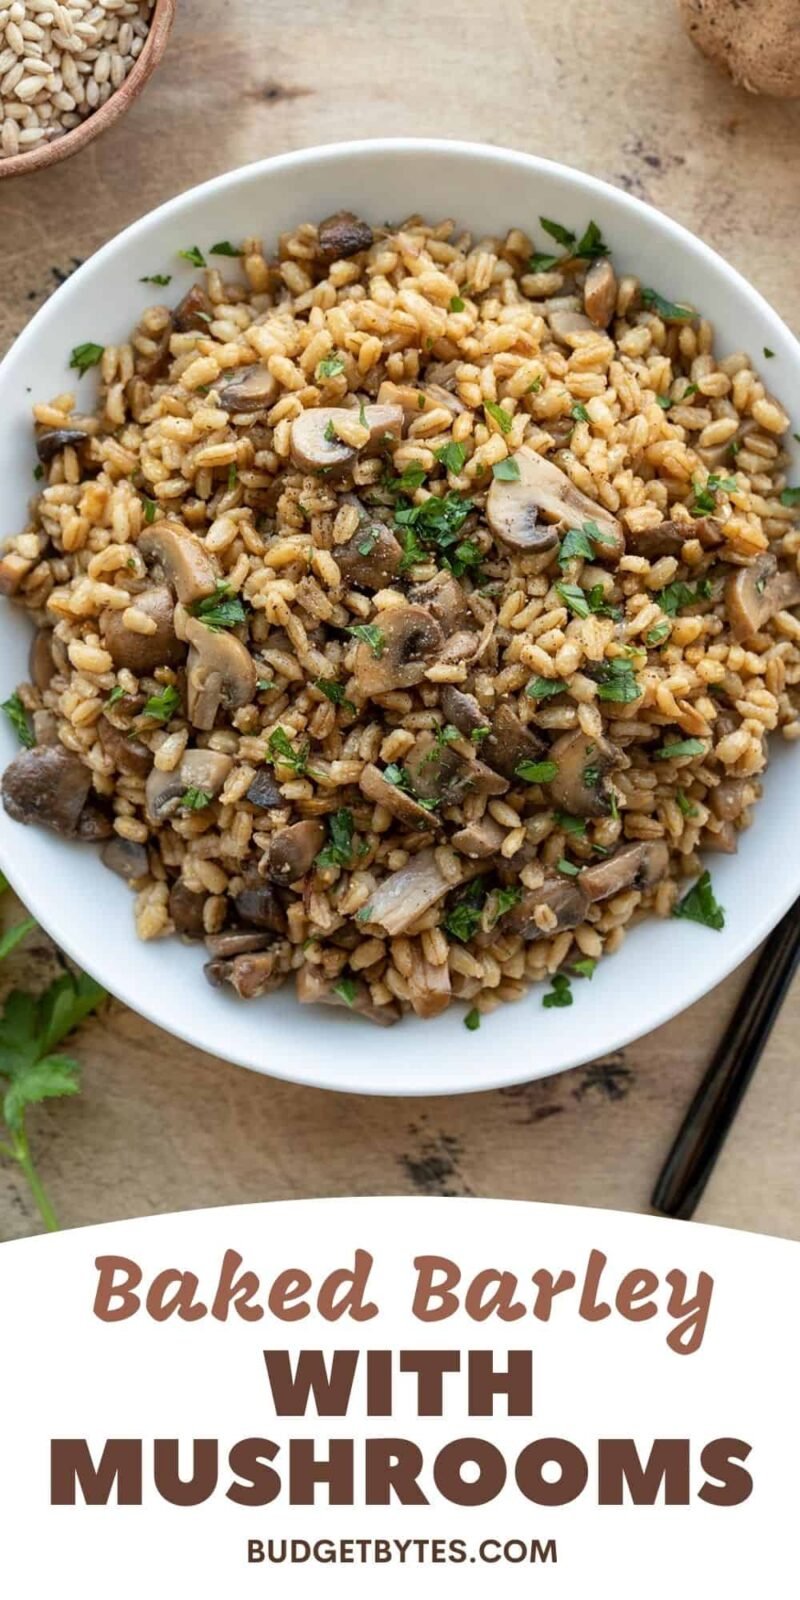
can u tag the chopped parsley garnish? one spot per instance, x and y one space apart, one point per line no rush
195 799
435 525
472 1020
330 366
339 849
233 475
685 805
18 717
456 304
573 825
38 472
657 634
362 415
444 736
768 353
161 706
705 494
568 868
544 688
219 610
193 255
499 902
452 456
413 551
364 914
701 905
616 680
85 356
225 248
683 747
582 542
588 247
677 595
533 388
413 476
541 262
574 599
159 278
264 684
346 990
507 471
579 413
664 401
398 776
536 771
666 309
503 418
560 994
117 693
464 916
370 634
790 497
150 508
465 555
562 236
282 752
334 692
585 968
330 433
479 734
366 545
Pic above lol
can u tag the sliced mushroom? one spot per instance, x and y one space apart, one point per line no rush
634 866
13 569
723 840
143 652
45 727
560 895
292 850
409 640
407 893
563 324
94 824
155 363
220 670
162 795
41 665
462 646
580 786
179 559
727 801
126 858
128 754
754 594
252 975
342 235
429 987
510 742
49 785
205 769
445 599
402 805
185 907
512 507
250 389
49 441
479 839
438 772
316 447
235 942
462 710
313 988
264 791
669 538
600 292
258 905
194 312
372 558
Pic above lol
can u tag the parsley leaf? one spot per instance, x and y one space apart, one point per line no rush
573 825
159 278
657 634
85 356
472 1020
330 366
536 771
413 476
568 868
282 752
452 456
585 968
150 508
666 309
18 717
576 542
456 304
117 693
193 255
503 418
677 595
591 244
346 990
701 905
685 805
339 849
541 262
219 610
196 799
162 705
563 236
617 681
768 353
790 497
682 747
544 688
506 471
369 634
464 916
224 248
435 525
574 599
334 692
14 936
499 902
579 413
705 494
560 994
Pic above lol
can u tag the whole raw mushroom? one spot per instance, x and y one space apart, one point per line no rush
757 44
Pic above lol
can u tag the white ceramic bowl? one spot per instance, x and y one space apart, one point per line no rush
663 967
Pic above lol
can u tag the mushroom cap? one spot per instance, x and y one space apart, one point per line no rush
185 907
143 652
49 785
193 313
479 839
205 769
638 866
49 441
341 235
600 292
372 557
510 742
315 446
561 895
397 801
583 763
258 905
126 858
314 988
292 850
220 670
250 389
754 594
128 754
180 559
411 638
444 597
440 772
513 506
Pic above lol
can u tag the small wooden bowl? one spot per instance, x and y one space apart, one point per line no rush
46 155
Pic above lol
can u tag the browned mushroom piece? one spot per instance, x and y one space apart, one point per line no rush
162 795
264 791
543 487
249 389
127 753
723 840
399 802
316 447
94 824
194 312
565 322
429 987
185 907
252 975
205 770
45 727
258 905
510 742
49 441
727 801
634 866
412 890
438 772
342 235
600 292
126 858
669 538
462 710
479 839
13 569
562 896
407 640
371 558
445 599
155 363
49 785
220 671
143 652
414 400
236 942
292 850
41 665
179 559
580 784
313 988
754 594
462 646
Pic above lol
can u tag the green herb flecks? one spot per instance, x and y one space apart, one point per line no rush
568 868
223 609
85 356
338 851
435 527
463 918
617 681
560 994
369 633
225 248
582 542
150 508
193 255
18 717
684 805
682 747
536 771
574 599
410 480
472 1020
347 990
117 693
452 456
585 968
194 799
162 706
503 418
704 497
506 471
667 310
456 304
334 692
160 279
544 688
790 496
656 635
701 905
330 366
282 752
678 595
579 413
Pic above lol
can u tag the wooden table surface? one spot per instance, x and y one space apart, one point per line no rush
618 91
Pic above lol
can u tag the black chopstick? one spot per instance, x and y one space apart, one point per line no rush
708 1121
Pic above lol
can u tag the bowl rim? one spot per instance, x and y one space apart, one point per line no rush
104 117
665 1007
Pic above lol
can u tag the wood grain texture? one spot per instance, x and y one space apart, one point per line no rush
616 90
